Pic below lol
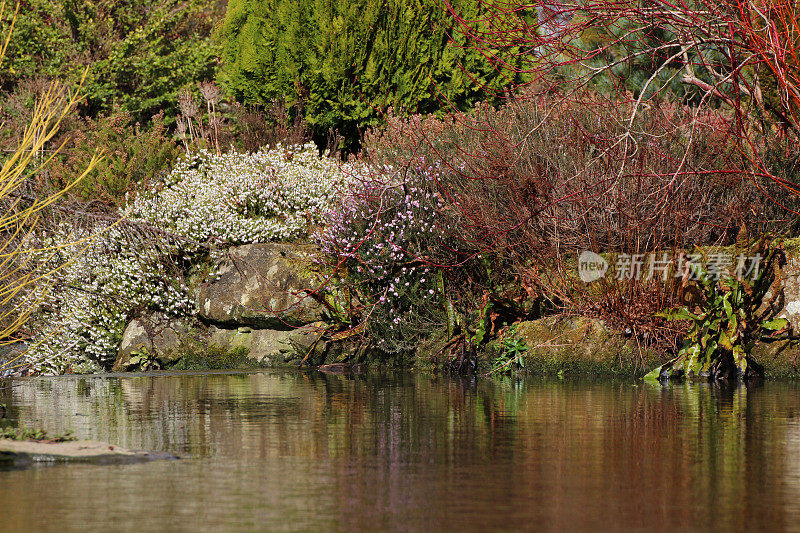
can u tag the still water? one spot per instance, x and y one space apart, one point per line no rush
296 451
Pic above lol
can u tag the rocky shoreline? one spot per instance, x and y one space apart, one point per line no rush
256 297
259 299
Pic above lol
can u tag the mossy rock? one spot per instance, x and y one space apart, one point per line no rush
156 335
580 345
195 356
779 358
264 286
269 346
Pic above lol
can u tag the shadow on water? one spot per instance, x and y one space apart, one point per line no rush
302 450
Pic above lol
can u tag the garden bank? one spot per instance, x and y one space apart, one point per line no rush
260 302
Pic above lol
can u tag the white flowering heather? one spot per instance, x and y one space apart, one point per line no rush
271 195
82 318
277 194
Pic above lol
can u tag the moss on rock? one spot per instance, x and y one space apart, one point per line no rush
779 358
579 345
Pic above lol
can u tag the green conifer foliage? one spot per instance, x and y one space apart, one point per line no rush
139 53
347 61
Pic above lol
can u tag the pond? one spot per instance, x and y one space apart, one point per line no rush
294 451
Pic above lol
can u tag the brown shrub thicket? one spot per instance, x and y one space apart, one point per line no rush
542 178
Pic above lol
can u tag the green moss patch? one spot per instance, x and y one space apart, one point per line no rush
576 345
215 358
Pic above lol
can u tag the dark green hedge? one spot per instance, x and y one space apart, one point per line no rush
349 60
139 53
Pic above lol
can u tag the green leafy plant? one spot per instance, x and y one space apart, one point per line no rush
731 318
484 323
511 356
139 54
143 361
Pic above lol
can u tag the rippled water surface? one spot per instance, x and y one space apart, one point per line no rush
294 451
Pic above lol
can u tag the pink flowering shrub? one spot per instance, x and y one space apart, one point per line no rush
542 178
492 207
391 244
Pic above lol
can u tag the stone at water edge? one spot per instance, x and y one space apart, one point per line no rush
269 345
262 286
9 356
343 368
155 334
22 453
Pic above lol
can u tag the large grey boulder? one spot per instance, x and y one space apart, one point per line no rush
155 334
260 285
270 346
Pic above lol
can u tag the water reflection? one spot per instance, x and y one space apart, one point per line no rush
309 450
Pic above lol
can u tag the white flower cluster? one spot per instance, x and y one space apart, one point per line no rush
275 194
793 307
271 195
82 317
